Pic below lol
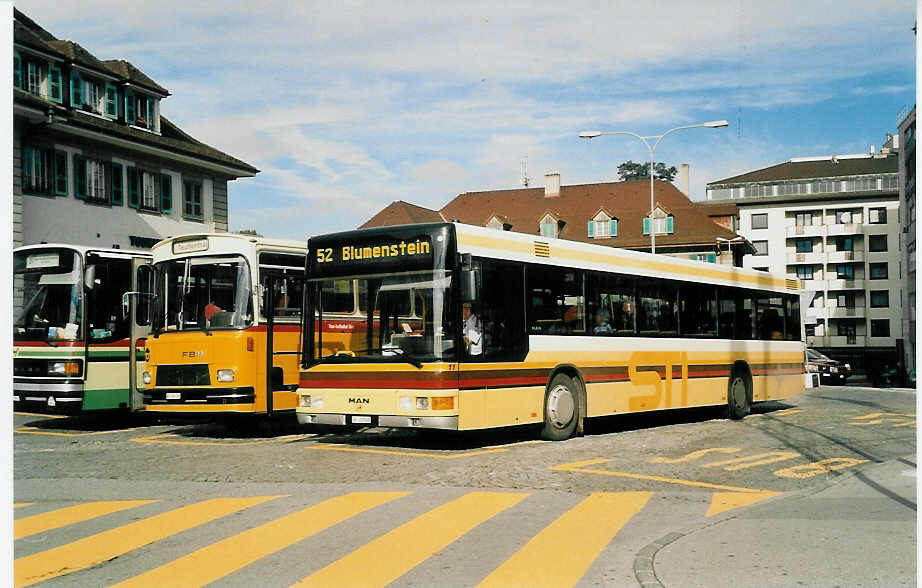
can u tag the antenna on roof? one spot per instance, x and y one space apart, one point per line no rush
525 178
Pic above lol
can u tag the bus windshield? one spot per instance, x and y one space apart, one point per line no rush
48 295
204 293
403 317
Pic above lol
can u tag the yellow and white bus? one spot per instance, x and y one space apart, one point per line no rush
71 341
225 333
554 331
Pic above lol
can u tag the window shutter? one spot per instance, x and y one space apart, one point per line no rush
670 224
613 227
115 181
55 91
646 225
149 117
17 69
76 90
712 258
27 168
60 173
591 229
80 176
129 113
134 196
111 101
166 193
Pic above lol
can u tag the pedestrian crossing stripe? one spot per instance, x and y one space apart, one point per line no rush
70 515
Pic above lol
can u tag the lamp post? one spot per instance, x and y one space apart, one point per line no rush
714 124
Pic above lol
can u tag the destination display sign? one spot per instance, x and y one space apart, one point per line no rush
377 251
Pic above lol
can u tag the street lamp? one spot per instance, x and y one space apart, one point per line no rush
714 124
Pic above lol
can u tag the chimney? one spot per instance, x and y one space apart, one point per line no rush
552 185
683 179
872 149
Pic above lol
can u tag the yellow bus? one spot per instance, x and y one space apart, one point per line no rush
225 328
515 329
71 341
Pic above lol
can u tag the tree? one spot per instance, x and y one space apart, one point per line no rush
631 172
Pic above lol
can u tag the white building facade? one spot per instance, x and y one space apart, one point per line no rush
834 223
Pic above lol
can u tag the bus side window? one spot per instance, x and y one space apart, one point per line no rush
656 308
556 304
500 302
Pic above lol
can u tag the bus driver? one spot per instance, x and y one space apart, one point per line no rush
472 331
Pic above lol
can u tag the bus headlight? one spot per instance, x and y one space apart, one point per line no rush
64 368
305 401
225 375
145 377
422 403
435 403
308 401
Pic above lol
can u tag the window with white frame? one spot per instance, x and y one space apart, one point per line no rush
37 168
877 216
192 200
495 223
149 192
760 220
844 217
548 226
602 226
96 181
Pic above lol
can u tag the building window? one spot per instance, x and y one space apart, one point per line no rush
111 101
761 247
760 221
17 69
602 226
192 200
805 272
60 173
91 96
843 217
803 219
845 271
877 216
90 176
760 269
880 328
36 79
145 190
877 243
880 298
846 300
878 271
55 84
804 246
548 226
36 170
845 244
810 330
149 192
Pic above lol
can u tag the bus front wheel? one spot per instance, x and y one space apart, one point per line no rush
561 409
738 395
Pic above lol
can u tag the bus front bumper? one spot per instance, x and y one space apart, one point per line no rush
415 422
154 397
48 396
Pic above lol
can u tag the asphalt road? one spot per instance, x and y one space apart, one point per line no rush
105 501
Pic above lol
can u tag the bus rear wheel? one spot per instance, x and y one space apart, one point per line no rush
738 395
561 409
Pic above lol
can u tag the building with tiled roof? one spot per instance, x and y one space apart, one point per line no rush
833 222
615 214
95 163
403 213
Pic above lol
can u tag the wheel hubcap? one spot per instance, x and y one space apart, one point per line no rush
560 406
738 393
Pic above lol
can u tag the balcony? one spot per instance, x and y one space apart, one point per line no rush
811 314
845 229
835 341
841 312
840 256
836 284
806 231
812 258
813 285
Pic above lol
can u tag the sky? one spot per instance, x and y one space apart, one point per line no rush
350 105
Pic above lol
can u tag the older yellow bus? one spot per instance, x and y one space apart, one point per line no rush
512 329
226 333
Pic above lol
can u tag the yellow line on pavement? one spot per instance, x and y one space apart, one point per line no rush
36 431
107 545
788 411
47 416
70 515
219 559
393 554
579 466
172 439
18 504
409 453
561 553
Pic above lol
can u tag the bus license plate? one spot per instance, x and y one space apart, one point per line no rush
361 420
174 396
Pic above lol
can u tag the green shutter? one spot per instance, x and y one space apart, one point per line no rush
60 173
76 90
80 176
590 230
134 192
712 258
129 112
111 101
27 168
115 171
166 193
613 227
670 224
55 91
646 225
17 69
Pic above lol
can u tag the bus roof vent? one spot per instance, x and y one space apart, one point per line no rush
792 284
542 249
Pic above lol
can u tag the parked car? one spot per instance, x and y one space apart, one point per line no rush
831 371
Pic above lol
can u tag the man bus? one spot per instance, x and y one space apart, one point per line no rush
71 341
225 331
568 330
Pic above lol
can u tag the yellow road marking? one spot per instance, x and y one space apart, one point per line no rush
751 461
808 470
393 554
409 453
18 504
173 439
579 466
693 455
104 546
47 416
876 418
724 501
788 411
561 553
37 431
70 515
219 559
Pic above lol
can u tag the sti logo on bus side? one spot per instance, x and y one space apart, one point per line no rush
359 400
192 354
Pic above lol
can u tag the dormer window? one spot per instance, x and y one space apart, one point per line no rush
495 223
92 96
548 226
602 226
663 223
141 111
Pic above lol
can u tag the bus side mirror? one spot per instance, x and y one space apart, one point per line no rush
89 277
468 285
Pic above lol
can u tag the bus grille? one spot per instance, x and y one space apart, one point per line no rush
183 375
542 249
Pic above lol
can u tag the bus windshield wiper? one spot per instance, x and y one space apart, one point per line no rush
407 357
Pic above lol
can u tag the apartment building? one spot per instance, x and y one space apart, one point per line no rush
834 223
907 140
